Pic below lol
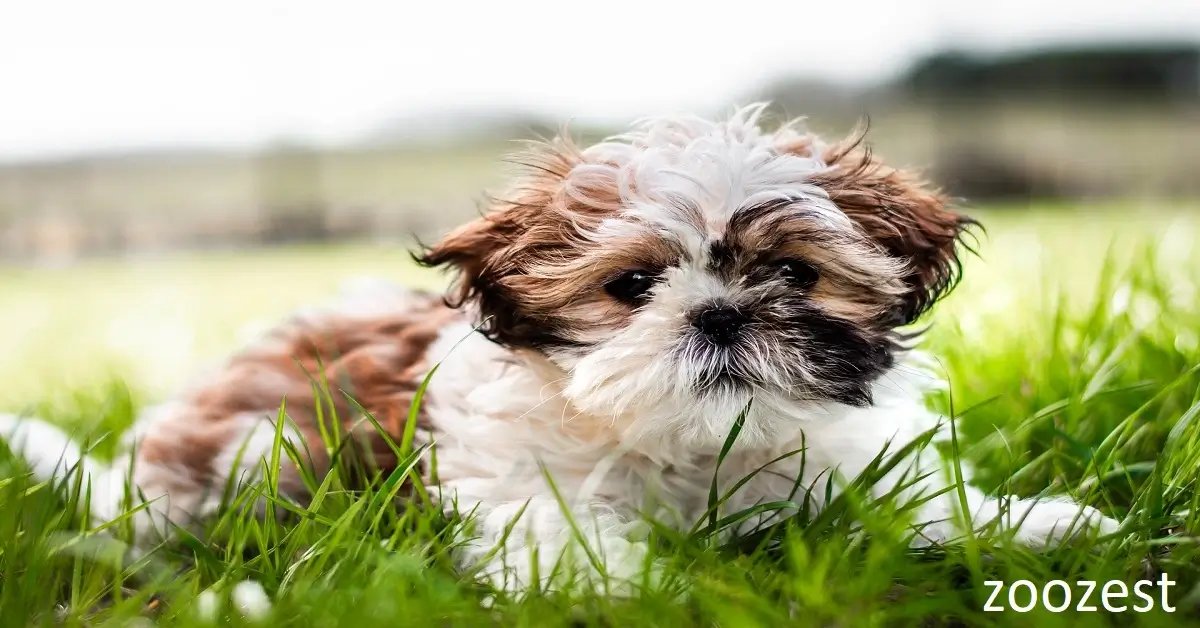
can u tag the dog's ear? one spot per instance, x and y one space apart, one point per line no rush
481 256
904 215
473 253
490 256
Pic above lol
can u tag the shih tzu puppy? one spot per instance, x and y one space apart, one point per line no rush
615 315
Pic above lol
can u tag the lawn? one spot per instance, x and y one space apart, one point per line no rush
1072 348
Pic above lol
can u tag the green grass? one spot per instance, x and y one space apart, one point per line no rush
1071 348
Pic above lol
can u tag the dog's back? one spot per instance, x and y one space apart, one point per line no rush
366 352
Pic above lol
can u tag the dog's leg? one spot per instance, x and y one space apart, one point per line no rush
523 545
54 458
1033 522
187 469
50 454
175 474
1036 523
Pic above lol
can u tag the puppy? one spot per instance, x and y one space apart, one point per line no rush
620 311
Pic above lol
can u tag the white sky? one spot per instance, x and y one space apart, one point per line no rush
106 74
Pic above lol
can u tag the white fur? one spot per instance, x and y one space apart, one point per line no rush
172 498
495 431
619 426
49 452
53 457
682 179
504 427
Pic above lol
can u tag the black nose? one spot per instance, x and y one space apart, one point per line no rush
720 324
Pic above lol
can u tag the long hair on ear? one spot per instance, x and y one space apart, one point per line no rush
489 257
902 213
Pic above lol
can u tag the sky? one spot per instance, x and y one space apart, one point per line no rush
86 75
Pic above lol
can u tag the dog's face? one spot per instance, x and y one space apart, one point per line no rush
676 272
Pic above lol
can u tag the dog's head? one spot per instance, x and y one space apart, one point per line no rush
676 271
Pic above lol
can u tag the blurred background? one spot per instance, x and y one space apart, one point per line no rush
169 171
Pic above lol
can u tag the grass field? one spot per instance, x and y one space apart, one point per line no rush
1072 348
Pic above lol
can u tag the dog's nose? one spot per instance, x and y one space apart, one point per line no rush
720 324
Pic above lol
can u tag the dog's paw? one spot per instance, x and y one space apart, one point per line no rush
47 450
1050 523
628 568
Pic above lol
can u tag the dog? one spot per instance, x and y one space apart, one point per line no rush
693 299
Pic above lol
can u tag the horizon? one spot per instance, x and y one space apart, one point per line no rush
131 76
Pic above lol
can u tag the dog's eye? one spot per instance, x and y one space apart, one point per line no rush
798 272
631 287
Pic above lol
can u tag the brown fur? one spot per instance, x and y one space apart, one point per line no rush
906 216
376 363
537 281
858 282
535 278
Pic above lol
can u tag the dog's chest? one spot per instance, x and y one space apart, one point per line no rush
682 494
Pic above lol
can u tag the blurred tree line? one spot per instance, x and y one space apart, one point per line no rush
1079 123
1156 73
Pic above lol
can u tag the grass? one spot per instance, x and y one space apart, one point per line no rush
1073 358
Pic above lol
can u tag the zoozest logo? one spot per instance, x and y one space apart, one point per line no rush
1087 596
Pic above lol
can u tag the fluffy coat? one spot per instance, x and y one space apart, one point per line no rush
614 313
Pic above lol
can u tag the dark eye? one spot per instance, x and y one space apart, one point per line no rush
798 272
631 287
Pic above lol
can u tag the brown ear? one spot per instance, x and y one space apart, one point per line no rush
471 252
904 215
490 255
480 256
